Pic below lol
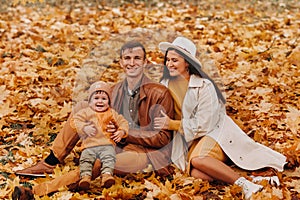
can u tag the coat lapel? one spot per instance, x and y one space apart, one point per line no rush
191 98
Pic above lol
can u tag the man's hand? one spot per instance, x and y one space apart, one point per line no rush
111 127
162 122
90 130
117 136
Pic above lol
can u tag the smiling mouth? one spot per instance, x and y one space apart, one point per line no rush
132 68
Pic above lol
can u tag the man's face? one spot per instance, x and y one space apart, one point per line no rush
133 62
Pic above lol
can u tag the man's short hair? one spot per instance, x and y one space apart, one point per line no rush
131 45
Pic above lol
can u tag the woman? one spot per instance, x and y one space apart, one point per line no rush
211 135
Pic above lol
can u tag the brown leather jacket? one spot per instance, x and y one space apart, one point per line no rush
156 144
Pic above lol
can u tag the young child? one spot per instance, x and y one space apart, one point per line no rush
90 124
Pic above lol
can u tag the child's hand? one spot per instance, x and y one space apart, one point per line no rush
89 130
117 136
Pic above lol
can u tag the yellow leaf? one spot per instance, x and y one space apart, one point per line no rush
67 54
3 93
9 186
293 119
5 109
64 112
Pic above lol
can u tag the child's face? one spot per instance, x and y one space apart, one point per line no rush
99 101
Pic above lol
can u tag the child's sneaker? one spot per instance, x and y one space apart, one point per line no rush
107 180
84 183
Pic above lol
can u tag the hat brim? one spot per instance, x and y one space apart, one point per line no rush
164 46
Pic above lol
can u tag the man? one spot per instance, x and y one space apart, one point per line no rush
139 100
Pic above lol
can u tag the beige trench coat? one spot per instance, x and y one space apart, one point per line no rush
203 114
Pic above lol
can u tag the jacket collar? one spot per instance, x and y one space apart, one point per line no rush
196 81
144 81
119 91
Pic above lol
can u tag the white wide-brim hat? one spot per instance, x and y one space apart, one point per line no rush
188 49
182 44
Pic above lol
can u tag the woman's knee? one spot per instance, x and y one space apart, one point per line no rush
199 162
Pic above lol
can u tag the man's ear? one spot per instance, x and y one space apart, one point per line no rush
120 62
147 62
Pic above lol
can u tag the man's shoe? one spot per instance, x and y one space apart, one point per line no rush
84 183
39 170
107 180
22 193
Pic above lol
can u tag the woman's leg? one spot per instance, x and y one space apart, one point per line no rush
208 168
207 161
196 173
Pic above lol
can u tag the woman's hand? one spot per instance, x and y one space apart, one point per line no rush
162 122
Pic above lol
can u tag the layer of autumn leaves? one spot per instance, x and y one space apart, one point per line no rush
50 53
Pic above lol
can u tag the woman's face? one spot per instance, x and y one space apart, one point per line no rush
176 64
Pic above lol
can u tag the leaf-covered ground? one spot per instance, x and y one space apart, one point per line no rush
51 52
